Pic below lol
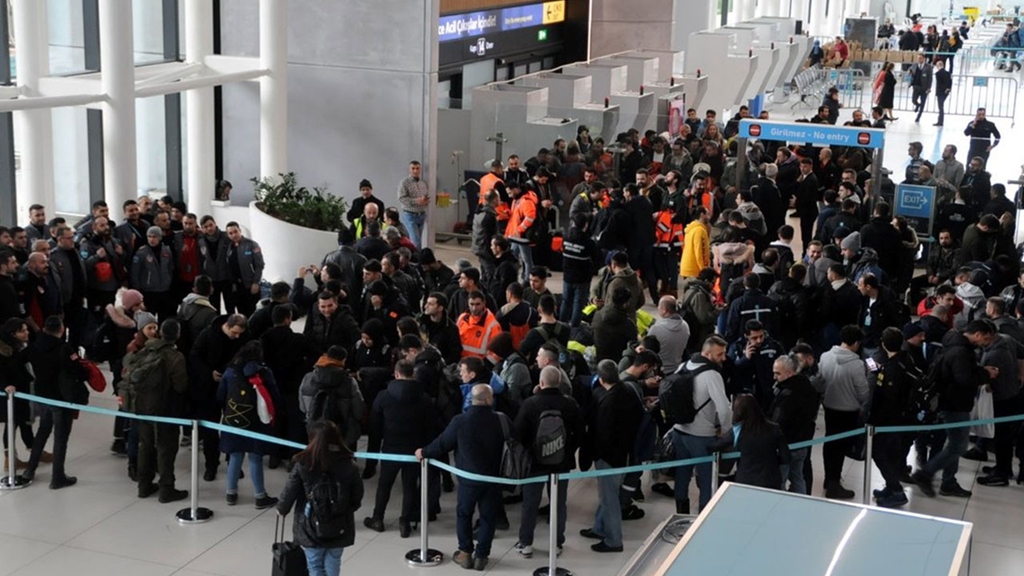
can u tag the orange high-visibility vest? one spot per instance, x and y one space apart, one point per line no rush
668 234
476 333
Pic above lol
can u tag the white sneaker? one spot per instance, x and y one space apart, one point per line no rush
524 551
558 552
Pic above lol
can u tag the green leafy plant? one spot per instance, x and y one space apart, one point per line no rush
281 197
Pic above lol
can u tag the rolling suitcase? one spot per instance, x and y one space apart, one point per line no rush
289 559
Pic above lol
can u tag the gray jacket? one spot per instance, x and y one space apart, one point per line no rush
215 258
846 380
150 275
923 81
64 261
673 334
250 261
715 414
409 191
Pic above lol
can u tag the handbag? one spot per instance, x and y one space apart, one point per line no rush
983 409
289 558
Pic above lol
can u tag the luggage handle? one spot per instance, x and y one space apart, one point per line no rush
279 527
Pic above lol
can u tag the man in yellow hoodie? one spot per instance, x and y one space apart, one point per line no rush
696 245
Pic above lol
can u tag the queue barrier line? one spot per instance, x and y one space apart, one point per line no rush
406 458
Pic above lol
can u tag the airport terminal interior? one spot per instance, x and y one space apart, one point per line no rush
113 100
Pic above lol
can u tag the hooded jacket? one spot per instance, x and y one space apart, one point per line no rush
338 330
974 304
614 328
701 304
334 380
626 278
696 249
197 312
151 273
846 380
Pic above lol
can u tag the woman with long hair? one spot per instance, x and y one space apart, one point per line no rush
248 396
325 488
15 377
759 441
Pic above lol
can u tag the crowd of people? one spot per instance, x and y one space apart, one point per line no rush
688 314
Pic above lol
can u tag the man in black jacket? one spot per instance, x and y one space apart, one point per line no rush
440 330
943 262
795 410
943 86
289 355
212 351
884 238
403 419
807 198
54 361
880 310
959 376
262 319
477 437
893 385
614 419
506 269
840 306
548 402
351 264
8 291
331 325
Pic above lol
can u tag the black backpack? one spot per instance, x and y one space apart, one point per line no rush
549 443
515 458
675 395
240 406
923 400
325 407
327 508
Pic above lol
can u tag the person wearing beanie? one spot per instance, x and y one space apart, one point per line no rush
365 197
151 273
850 244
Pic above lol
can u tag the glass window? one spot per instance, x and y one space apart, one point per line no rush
151 145
148 31
70 160
66 26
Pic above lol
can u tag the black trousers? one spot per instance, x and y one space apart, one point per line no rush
890 455
1006 434
58 421
160 303
941 100
75 316
158 447
410 494
837 421
807 229
210 438
239 298
221 287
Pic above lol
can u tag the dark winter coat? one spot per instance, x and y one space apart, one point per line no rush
443 335
404 418
351 264
477 438
212 350
233 443
880 235
338 330
335 381
528 417
959 375
289 355
760 456
614 328
614 419
343 470
795 408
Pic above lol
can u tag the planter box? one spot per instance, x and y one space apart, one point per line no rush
287 246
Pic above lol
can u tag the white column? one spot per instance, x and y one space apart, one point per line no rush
798 10
117 65
865 7
747 10
771 7
734 12
34 127
818 23
852 8
274 87
199 107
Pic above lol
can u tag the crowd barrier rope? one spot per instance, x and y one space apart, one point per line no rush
424 555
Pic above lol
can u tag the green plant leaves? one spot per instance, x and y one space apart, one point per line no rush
281 197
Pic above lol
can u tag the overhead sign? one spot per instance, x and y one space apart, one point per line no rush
917 204
459 26
815 134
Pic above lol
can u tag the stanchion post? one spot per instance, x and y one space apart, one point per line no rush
716 465
869 448
552 568
12 481
424 556
194 514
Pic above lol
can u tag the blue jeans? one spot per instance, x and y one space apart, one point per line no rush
255 473
794 471
488 498
323 561
608 517
574 298
413 222
692 447
525 252
948 459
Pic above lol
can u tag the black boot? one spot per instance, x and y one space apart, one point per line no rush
683 506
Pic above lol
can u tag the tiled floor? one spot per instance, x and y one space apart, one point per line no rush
99 526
